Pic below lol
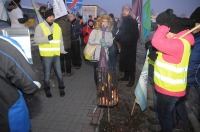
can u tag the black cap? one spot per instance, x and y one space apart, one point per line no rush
48 13
165 17
179 24
195 16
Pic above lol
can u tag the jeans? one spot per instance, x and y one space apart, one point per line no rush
65 60
112 57
75 53
197 90
48 62
166 106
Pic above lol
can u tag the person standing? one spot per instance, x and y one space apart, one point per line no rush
101 36
193 78
87 30
17 76
75 38
170 71
48 36
65 59
16 15
127 38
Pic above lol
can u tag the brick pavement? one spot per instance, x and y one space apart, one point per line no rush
74 111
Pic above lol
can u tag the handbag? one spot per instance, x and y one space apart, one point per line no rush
89 50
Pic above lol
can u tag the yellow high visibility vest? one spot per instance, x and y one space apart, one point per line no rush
52 48
172 77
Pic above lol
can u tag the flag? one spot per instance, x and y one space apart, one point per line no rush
36 8
59 8
141 88
3 12
137 13
146 20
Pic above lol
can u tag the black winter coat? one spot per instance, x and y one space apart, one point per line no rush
127 37
15 74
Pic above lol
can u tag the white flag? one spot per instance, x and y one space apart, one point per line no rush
59 8
3 12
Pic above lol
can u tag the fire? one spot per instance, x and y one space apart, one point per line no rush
107 90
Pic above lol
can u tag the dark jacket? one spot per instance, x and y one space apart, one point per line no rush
76 30
16 74
194 63
127 37
65 25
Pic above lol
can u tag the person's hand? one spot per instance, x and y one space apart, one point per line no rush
86 34
102 42
50 37
153 55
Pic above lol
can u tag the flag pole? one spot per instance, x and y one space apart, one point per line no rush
133 108
190 31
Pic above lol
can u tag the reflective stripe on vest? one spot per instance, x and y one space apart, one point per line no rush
53 47
172 77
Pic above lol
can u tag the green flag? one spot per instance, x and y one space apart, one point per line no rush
146 22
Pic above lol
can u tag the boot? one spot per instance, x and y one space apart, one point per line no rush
48 93
131 81
62 92
126 76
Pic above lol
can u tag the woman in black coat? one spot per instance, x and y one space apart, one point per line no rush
127 38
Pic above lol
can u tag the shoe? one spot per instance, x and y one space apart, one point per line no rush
62 92
48 93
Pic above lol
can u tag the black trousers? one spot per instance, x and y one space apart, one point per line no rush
65 60
75 53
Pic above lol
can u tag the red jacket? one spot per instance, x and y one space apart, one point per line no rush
86 29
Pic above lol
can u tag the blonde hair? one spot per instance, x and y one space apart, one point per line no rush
101 18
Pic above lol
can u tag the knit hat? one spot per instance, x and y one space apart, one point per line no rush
127 7
165 17
195 16
179 24
48 13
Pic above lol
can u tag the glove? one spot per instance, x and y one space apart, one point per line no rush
102 42
153 55
50 37
86 34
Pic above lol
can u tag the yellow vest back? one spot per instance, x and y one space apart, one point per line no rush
172 77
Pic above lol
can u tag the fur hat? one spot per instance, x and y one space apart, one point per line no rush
127 7
179 24
165 17
195 16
